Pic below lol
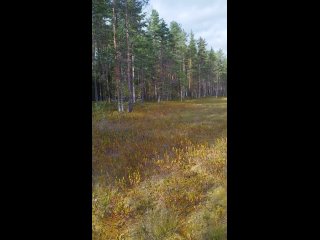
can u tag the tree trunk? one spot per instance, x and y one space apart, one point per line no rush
121 88
95 76
117 54
199 93
108 87
143 87
181 96
129 68
217 87
133 92
95 88
101 98
190 76
160 83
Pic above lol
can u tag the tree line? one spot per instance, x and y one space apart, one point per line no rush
140 58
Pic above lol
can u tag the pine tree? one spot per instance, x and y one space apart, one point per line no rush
139 58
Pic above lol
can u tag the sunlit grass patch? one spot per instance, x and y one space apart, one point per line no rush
164 163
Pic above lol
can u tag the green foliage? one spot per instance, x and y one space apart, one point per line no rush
166 63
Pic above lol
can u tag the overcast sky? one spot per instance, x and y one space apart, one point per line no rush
206 18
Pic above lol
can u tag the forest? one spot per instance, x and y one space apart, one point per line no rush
136 57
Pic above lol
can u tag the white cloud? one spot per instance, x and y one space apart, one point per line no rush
206 18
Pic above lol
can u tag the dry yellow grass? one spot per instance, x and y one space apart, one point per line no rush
160 171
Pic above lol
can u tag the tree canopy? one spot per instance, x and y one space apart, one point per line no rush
141 58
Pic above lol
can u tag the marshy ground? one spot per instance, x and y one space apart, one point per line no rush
160 171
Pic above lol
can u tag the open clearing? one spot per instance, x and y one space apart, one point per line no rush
160 171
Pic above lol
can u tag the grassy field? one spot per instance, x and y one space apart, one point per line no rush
160 171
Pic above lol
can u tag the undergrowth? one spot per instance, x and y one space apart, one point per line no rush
160 171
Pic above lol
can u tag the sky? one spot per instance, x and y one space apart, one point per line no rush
206 18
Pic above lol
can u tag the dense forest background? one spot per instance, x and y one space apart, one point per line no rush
136 57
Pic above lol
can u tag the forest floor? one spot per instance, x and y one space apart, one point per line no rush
160 171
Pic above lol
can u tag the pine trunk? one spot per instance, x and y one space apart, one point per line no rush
133 89
217 87
117 57
95 76
129 67
199 93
